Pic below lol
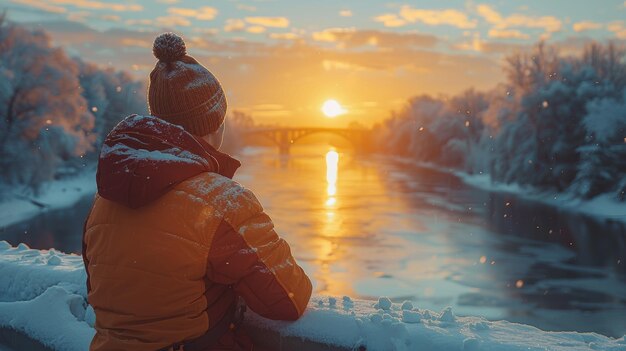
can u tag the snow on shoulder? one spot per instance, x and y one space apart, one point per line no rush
42 295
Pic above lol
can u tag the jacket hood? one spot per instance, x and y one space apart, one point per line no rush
143 157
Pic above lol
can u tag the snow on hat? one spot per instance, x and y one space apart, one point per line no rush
182 91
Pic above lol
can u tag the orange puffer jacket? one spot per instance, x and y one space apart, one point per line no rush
171 241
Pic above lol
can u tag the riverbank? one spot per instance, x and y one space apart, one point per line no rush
19 205
603 206
43 298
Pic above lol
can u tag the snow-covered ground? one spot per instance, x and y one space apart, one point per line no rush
43 296
603 206
17 207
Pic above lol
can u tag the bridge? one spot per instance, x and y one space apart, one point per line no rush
284 137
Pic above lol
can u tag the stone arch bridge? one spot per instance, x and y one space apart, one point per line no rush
284 137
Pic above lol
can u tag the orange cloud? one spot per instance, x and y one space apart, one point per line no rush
352 38
136 42
41 5
449 17
390 20
586 25
172 21
507 34
255 29
277 22
284 36
345 13
549 24
98 5
234 25
618 29
331 34
169 2
330 65
112 18
489 14
79 16
206 13
475 44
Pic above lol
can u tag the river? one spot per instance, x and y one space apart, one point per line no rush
372 226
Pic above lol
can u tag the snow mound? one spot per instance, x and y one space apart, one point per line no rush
47 302
55 318
27 273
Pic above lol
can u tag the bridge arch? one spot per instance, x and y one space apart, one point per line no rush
285 137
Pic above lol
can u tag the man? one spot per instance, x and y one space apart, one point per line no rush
171 241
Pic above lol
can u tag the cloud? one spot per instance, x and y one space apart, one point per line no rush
98 5
211 31
351 38
618 29
234 25
246 7
255 29
548 23
284 36
390 20
586 25
169 2
331 34
449 17
500 23
276 22
474 44
345 13
205 13
172 21
136 42
41 5
489 14
507 34
111 18
330 65
78 16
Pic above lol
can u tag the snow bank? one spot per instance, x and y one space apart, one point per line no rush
43 297
57 194
601 206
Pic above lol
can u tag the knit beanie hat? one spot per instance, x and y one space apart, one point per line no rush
182 91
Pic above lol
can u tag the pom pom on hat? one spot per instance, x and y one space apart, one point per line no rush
169 47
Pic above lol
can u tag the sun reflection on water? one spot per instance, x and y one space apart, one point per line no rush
331 224
332 160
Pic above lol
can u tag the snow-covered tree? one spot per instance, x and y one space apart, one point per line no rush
43 117
111 95
602 167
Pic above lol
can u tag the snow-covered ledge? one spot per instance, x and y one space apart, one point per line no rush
42 301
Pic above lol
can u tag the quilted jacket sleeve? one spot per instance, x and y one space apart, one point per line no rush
247 253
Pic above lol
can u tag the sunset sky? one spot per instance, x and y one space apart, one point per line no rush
280 60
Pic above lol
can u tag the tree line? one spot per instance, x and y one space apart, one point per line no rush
558 123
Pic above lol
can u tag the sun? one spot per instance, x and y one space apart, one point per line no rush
331 108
